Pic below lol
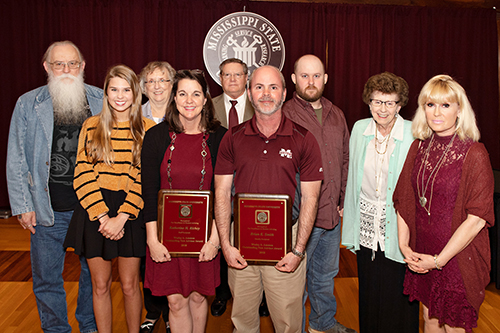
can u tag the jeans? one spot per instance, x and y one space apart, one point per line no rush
47 264
323 249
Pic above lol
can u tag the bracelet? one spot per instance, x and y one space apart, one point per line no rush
298 253
436 262
102 215
217 247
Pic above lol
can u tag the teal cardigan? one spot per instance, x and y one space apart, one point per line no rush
357 153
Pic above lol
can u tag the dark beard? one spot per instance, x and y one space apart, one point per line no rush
309 98
68 98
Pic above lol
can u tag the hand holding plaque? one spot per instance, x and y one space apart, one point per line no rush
263 227
184 221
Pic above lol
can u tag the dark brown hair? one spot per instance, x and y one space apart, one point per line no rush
208 121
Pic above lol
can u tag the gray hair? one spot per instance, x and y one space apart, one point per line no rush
151 67
46 56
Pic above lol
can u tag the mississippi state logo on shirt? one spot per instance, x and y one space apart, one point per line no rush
246 36
286 153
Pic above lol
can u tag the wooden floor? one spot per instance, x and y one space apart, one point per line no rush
18 311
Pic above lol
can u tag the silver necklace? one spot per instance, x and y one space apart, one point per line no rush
421 196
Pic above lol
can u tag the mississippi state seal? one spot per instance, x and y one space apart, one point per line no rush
185 210
245 36
262 216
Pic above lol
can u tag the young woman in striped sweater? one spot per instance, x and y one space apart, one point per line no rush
108 222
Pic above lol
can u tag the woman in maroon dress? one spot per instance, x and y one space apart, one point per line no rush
180 153
444 200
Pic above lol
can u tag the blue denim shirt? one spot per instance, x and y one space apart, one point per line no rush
29 149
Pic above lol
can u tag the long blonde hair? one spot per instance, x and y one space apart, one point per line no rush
440 89
100 148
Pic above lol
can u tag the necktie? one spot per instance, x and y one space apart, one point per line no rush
233 115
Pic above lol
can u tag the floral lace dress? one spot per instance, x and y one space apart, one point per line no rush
442 291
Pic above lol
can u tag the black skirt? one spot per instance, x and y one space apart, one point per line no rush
84 237
382 305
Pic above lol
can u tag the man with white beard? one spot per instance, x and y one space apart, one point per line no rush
41 155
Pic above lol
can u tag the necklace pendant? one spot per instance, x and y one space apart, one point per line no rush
423 201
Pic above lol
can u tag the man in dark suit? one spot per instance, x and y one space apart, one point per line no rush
233 107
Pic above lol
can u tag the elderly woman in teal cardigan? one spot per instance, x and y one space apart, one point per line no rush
377 152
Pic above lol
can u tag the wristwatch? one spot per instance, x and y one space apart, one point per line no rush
298 253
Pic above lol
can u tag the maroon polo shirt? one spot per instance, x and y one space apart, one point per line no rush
269 165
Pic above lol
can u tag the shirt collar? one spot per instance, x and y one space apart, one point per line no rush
241 100
397 132
303 103
284 129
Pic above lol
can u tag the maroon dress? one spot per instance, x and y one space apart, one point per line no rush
184 275
441 291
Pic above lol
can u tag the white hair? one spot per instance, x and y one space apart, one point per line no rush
68 97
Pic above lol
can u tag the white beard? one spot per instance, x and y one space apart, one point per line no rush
68 98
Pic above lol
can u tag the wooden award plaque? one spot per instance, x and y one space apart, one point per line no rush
184 221
263 227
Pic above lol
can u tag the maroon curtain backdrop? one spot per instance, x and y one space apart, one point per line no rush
355 41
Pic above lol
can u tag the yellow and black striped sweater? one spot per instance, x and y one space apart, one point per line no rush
120 176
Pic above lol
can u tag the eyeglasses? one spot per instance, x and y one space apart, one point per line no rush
227 76
160 81
58 65
378 103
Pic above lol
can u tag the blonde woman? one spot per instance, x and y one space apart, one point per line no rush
108 222
444 201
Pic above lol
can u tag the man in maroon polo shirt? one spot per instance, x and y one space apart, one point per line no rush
267 154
